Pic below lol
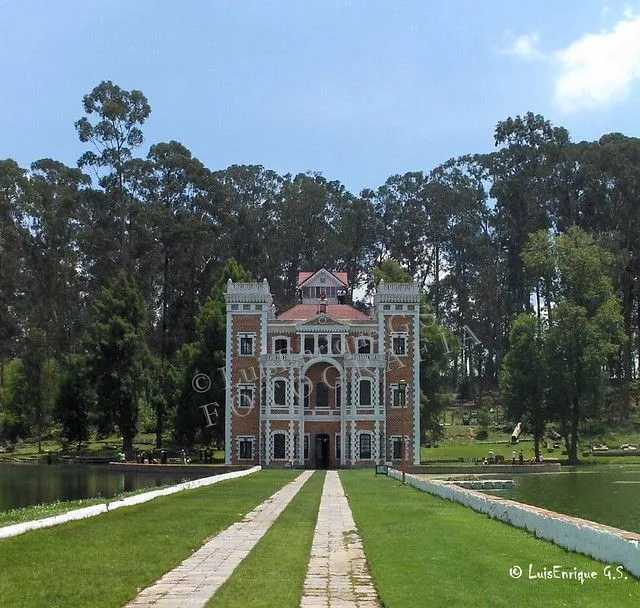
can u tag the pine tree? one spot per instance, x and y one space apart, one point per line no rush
118 356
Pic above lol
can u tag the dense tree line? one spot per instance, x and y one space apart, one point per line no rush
112 272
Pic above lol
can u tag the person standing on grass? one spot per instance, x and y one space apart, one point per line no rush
513 458
521 456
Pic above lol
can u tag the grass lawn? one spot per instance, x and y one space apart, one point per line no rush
105 560
469 449
109 447
426 551
278 563
22 514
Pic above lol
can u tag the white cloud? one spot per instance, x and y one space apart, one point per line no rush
525 46
598 69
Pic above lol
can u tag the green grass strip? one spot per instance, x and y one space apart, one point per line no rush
22 514
426 551
272 575
103 561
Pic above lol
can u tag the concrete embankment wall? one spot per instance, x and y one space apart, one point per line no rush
492 469
602 542
15 529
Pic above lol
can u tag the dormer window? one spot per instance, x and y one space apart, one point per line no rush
314 285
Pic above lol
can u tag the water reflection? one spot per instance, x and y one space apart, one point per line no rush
609 495
22 485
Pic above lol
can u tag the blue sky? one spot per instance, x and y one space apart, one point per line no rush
356 90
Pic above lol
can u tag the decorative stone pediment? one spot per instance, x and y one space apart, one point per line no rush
322 323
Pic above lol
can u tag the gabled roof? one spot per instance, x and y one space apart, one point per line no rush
304 276
339 312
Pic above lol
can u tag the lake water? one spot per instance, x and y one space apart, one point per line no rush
607 494
22 485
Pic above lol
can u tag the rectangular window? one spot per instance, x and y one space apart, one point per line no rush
306 392
322 395
338 396
245 396
396 448
281 346
279 446
338 446
365 446
336 345
280 392
246 345
306 447
245 448
365 392
399 345
398 397
364 346
309 345
323 345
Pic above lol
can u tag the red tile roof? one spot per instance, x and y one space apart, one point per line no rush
339 312
304 276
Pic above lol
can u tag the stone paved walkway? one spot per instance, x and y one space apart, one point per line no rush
198 577
338 576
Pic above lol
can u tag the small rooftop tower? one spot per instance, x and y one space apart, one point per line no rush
312 285
322 303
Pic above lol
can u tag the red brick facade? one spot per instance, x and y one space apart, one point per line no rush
323 384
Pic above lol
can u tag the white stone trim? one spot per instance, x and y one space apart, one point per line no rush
242 335
599 541
399 334
244 386
372 439
243 438
280 337
417 391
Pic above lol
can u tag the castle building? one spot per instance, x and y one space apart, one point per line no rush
322 385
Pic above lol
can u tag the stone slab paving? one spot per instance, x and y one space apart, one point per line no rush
338 576
198 577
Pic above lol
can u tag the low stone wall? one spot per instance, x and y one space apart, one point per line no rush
601 542
481 469
482 484
16 529
173 469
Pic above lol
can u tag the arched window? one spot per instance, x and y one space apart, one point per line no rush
365 446
306 393
322 395
280 392
365 392
279 446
